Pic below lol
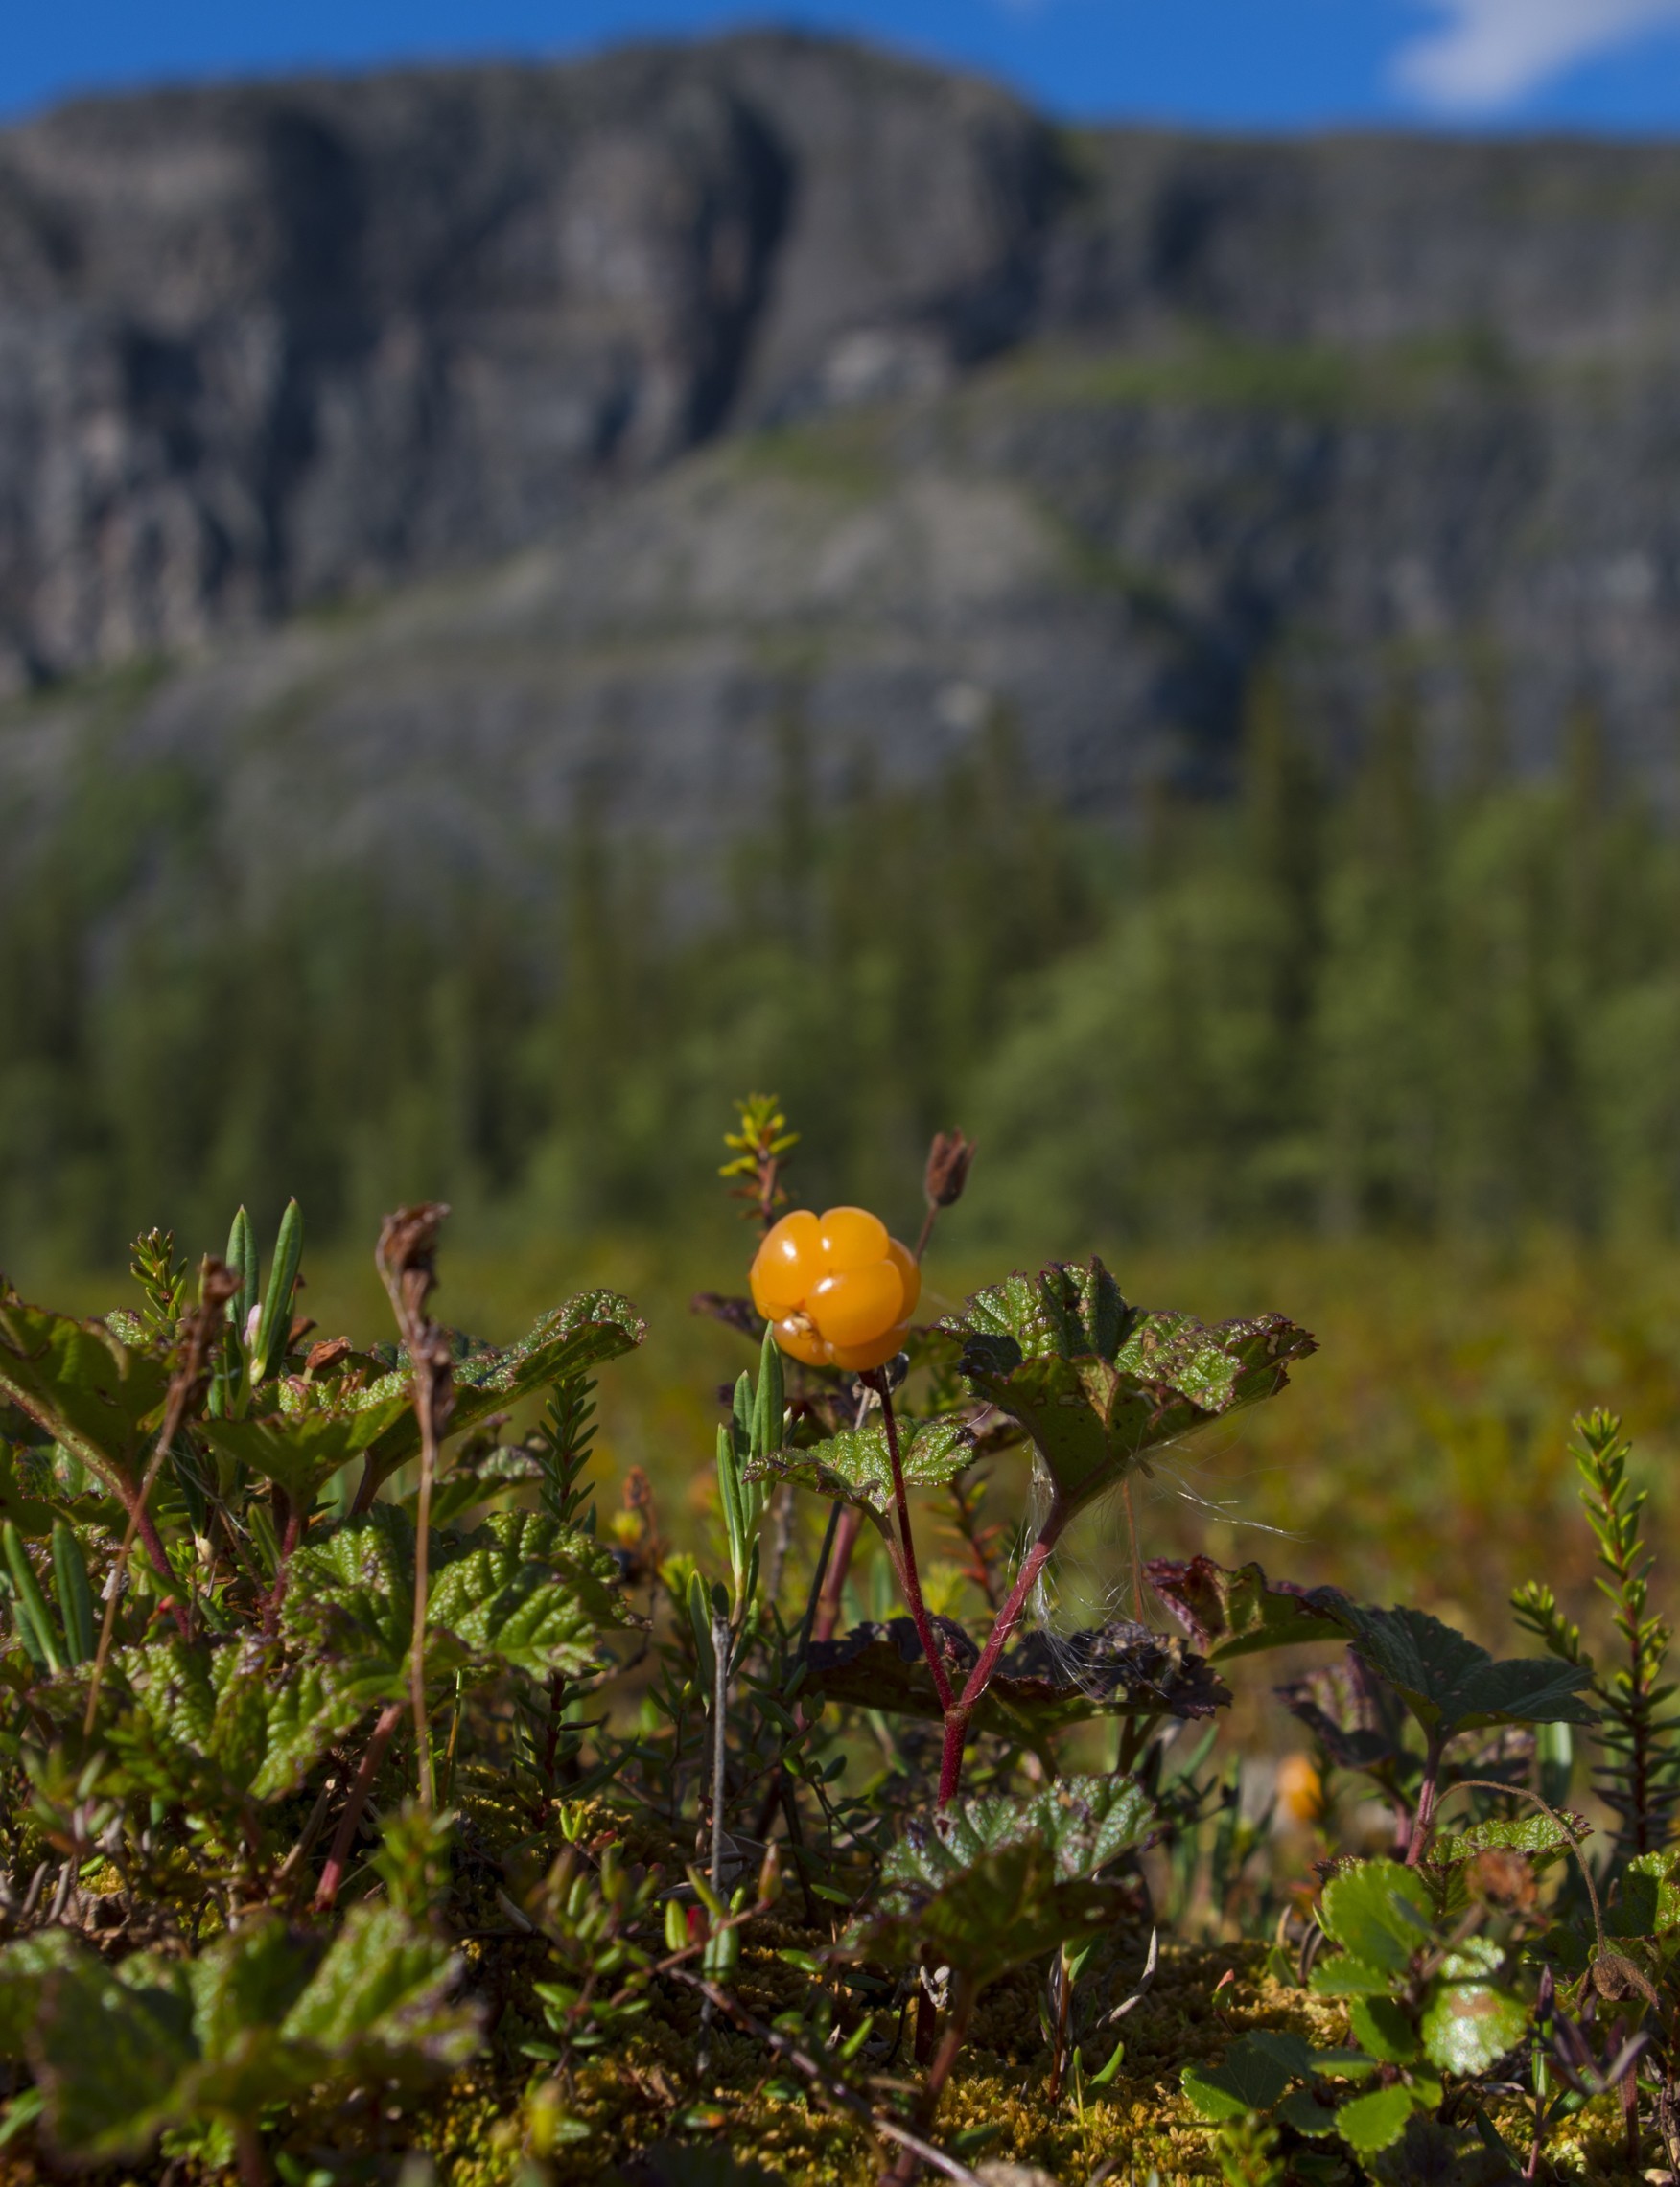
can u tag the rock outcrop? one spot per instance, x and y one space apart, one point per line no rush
636 407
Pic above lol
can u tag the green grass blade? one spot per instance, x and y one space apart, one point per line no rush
30 1602
275 1323
75 1595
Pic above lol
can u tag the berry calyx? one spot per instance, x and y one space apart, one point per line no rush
838 1290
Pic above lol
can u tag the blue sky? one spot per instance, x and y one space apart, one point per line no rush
1591 64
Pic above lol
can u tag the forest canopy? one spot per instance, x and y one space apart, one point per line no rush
1333 1004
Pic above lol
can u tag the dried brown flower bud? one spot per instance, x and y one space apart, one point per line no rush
1499 1877
948 1161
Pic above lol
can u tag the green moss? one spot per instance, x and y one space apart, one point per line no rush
1207 369
846 455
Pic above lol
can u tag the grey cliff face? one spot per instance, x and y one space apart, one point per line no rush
259 347
689 390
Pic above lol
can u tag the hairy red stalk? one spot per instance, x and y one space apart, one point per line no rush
344 1837
957 1715
290 1518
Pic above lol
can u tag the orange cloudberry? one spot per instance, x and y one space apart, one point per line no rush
838 1290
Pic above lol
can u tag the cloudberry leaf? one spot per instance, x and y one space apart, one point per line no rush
1358 1721
317 1428
1098 1384
109 2049
855 1466
24 1964
1534 1833
378 2005
1238 1612
1119 1669
522 1590
215 1719
122 2053
1451 1685
993 1883
527 1591
26 1512
596 1326
95 1395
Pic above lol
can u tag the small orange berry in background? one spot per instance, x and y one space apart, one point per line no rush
838 1290
1301 1790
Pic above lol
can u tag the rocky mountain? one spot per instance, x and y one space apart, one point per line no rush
432 457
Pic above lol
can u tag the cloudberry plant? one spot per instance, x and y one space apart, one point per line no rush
838 1290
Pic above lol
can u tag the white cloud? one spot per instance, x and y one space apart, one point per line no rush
1492 53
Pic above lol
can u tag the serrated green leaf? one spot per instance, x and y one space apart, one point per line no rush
1378 1912
316 1430
527 1591
99 1399
120 2053
1039 1685
379 2002
1466 2025
1238 1612
108 2052
991 1883
1381 2030
24 1964
1648 1902
1534 1833
855 1466
26 1512
1375 2122
1098 1384
1248 2077
1345 1976
1451 1685
522 1590
213 1718
1307 2113
596 1326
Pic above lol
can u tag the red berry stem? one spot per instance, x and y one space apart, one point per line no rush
912 1584
957 1714
839 1564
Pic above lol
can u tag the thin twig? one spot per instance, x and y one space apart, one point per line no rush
311 1830
720 1650
1521 1792
836 2090
339 1859
942 1684
217 1285
408 1246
